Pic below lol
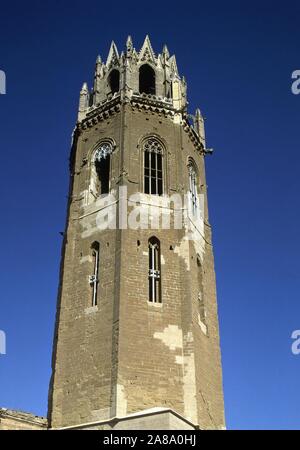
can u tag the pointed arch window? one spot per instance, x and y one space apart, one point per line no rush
193 176
153 167
102 164
94 278
154 271
146 80
114 81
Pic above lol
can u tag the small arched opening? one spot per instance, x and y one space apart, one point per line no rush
146 80
102 166
114 81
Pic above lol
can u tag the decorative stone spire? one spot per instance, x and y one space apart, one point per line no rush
98 60
83 100
129 45
98 67
173 66
146 52
199 126
165 52
97 76
113 56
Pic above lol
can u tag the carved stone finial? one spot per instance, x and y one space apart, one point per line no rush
199 126
84 88
165 52
129 44
83 100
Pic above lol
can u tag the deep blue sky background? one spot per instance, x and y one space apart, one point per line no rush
237 59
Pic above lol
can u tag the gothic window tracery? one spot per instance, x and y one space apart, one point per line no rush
105 149
102 160
153 167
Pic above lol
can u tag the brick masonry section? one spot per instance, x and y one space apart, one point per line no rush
126 355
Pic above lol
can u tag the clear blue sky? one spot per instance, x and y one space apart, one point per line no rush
237 59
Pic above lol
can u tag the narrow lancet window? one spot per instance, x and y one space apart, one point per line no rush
102 168
153 167
154 271
94 278
102 164
193 188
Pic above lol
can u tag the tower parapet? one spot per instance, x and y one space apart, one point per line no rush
142 78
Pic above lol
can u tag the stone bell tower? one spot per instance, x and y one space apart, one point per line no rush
136 340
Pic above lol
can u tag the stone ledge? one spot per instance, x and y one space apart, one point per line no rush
18 420
148 419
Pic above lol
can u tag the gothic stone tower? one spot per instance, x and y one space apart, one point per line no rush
136 340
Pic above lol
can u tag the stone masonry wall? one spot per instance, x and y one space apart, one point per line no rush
126 354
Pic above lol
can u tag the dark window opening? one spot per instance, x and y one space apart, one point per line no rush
147 80
114 81
102 168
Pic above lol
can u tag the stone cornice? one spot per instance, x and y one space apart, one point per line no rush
23 417
100 112
194 137
153 104
140 102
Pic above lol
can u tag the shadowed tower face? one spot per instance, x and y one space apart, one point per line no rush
136 340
